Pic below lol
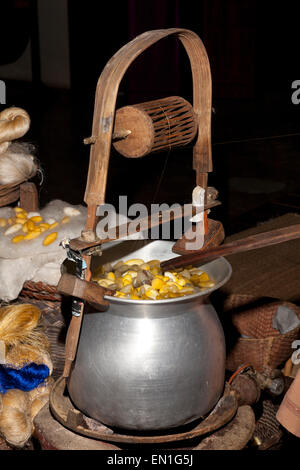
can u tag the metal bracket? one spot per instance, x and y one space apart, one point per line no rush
77 258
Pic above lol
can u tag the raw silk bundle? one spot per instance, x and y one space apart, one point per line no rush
20 325
24 376
16 162
27 378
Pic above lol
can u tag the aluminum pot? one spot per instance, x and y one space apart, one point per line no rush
150 365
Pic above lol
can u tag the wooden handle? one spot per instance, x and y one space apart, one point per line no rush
93 294
71 344
145 223
85 290
273 237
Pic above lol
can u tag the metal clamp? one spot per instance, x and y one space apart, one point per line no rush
77 258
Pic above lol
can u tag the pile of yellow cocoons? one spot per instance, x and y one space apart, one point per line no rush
25 226
139 280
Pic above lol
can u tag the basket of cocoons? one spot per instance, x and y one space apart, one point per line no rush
17 164
25 371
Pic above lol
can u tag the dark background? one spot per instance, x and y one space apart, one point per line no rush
253 47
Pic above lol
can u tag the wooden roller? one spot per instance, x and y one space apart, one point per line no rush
154 126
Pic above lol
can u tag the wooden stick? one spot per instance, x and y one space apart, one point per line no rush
29 199
253 242
145 223
117 135
75 324
89 291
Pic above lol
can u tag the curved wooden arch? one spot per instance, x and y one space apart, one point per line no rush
105 102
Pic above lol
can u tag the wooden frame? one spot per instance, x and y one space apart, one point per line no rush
104 112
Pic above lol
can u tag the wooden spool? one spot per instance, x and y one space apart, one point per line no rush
154 126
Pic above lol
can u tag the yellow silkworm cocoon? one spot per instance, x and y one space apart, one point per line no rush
164 289
50 238
126 280
153 263
142 289
20 220
187 290
120 294
173 284
206 284
154 270
171 276
180 280
17 239
157 283
20 212
3 222
28 226
111 276
12 229
204 277
53 225
36 218
18 209
43 227
21 217
145 266
134 261
32 235
151 293
65 220
131 273
11 220
105 282
160 276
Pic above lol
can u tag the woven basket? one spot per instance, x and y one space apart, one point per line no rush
268 432
49 301
40 291
266 348
10 193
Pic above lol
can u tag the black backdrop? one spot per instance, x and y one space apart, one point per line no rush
253 50
252 45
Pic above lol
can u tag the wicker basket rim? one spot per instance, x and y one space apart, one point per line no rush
268 338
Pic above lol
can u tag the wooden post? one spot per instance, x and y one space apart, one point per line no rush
29 200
